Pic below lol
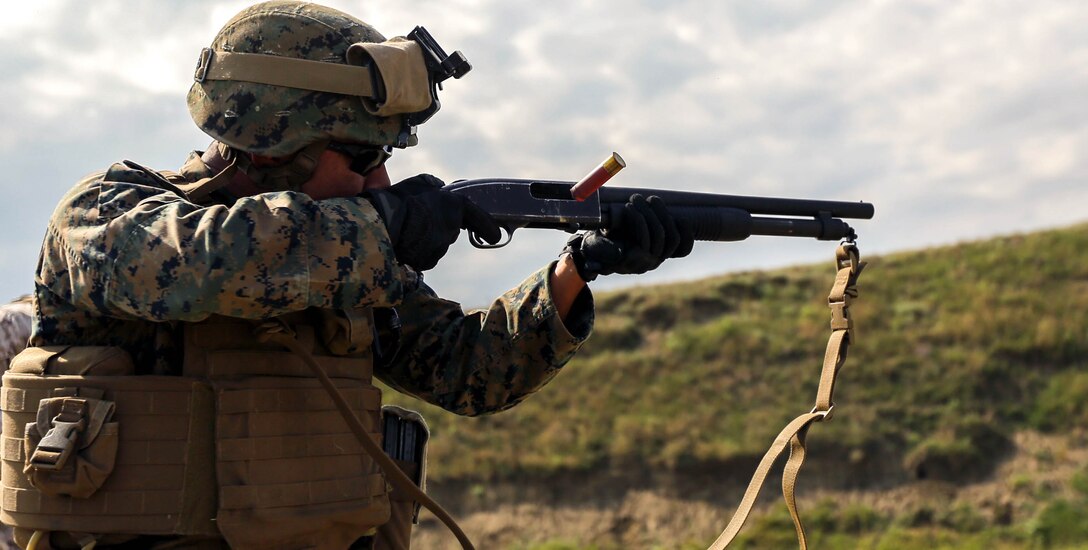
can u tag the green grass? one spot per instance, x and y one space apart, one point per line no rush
957 349
1061 525
992 333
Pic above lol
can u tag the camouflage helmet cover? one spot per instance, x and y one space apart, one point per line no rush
276 120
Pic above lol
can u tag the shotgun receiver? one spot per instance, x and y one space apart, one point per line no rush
518 203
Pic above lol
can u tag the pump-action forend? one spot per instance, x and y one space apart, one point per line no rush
518 203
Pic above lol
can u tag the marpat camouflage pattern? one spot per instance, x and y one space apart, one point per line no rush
491 359
126 258
276 120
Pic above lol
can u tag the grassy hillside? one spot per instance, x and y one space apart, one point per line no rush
957 350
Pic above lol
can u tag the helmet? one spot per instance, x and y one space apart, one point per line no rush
279 120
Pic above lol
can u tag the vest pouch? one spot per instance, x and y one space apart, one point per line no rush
158 430
71 448
404 439
78 360
290 472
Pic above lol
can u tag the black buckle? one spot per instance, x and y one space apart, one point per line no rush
202 64
57 445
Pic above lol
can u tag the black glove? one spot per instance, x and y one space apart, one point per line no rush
423 219
646 236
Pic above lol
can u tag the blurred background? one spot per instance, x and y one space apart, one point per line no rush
958 120
961 418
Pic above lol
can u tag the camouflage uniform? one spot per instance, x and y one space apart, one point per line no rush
126 258
132 256
14 331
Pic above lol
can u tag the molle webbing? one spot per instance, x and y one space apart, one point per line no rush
220 348
160 444
279 332
290 473
286 462
246 445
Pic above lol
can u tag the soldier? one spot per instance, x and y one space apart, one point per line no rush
14 328
289 216
14 333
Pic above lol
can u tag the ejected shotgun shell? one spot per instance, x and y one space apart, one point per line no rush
595 179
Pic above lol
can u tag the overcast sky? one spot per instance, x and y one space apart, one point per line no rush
959 120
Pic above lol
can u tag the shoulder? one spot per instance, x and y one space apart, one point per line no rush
15 324
126 184
114 191
16 312
98 213
130 172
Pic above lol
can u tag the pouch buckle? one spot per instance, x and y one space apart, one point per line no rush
59 442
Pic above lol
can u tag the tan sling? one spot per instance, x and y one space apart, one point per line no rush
844 290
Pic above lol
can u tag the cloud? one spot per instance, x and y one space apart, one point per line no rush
959 120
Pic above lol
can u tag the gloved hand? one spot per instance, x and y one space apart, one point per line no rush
423 220
647 235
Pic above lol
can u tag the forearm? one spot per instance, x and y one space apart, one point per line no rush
489 360
565 285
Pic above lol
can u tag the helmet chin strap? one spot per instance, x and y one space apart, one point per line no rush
285 177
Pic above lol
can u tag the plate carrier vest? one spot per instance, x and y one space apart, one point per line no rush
245 444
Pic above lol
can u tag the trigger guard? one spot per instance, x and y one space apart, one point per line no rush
484 245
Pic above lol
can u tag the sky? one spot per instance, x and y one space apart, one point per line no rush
958 120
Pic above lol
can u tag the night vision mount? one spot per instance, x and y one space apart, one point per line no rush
440 66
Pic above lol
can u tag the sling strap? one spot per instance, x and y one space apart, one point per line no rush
278 332
844 290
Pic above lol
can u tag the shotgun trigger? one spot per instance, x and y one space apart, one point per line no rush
508 235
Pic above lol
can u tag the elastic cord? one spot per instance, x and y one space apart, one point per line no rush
34 539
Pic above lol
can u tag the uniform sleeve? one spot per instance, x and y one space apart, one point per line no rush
488 360
135 251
